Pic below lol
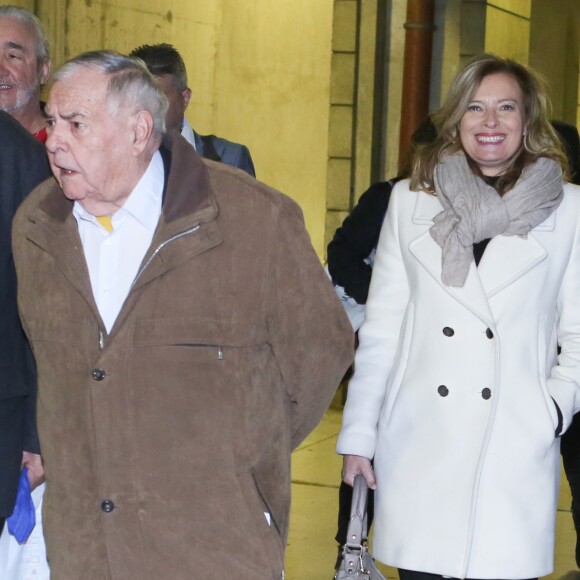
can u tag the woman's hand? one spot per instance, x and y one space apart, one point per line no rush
353 465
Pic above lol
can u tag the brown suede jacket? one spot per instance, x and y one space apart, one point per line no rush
166 440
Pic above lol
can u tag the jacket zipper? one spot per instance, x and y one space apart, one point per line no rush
140 272
159 248
220 349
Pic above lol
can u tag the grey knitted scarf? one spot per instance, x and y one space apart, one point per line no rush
474 211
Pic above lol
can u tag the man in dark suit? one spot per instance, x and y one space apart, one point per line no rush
23 165
168 68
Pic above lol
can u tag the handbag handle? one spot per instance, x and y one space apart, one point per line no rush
357 527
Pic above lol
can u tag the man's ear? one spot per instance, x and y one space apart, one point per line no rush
44 71
186 94
143 129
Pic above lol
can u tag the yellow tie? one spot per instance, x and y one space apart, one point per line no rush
106 222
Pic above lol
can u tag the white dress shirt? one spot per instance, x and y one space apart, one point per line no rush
113 259
187 133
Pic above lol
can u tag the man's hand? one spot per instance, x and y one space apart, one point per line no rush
35 469
353 465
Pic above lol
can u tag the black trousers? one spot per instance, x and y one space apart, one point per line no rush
570 449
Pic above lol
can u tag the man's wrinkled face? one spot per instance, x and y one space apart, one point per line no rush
20 75
90 142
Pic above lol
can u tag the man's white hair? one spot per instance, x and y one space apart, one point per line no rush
130 83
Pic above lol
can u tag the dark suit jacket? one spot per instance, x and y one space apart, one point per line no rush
219 149
23 165
355 239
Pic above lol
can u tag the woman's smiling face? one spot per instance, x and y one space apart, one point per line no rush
492 128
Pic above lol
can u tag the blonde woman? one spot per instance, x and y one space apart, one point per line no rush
459 394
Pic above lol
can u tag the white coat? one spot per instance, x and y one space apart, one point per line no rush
454 390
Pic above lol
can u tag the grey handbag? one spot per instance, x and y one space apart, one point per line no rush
357 563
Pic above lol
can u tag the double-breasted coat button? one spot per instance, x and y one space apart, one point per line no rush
98 374
486 393
489 333
107 506
443 390
447 331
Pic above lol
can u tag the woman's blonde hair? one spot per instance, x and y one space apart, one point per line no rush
540 139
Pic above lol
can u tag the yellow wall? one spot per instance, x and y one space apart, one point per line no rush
272 87
507 30
259 71
554 51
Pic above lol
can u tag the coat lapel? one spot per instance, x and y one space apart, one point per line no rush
187 227
53 228
188 223
506 259
471 295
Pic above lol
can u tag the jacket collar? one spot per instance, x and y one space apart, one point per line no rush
506 259
187 226
185 173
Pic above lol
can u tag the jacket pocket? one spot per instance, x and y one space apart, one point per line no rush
560 426
399 367
554 411
269 514
211 371
198 332
261 514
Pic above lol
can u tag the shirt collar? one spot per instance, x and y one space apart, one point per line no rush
187 133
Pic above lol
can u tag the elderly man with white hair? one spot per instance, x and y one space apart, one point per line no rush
186 339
